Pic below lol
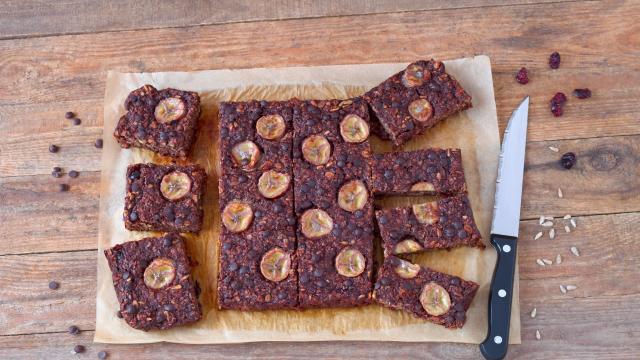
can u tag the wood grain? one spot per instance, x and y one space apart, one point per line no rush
34 18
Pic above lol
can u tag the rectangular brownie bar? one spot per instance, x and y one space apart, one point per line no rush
441 224
257 263
163 121
334 203
424 293
416 99
153 282
419 172
164 198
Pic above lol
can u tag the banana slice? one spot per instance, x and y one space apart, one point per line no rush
414 75
407 246
435 299
275 265
316 149
237 216
270 127
421 110
354 129
159 273
175 185
170 109
315 223
273 184
246 154
406 270
350 262
353 196
426 213
423 186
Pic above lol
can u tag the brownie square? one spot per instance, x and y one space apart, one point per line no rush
419 172
164 198
153 282
163 121
242 285
401 284
416 99
441 224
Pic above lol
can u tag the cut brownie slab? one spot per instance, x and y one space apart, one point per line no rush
164 198
419 172
333 202
415 99
163 121
257 243
442 224
153 282
424 293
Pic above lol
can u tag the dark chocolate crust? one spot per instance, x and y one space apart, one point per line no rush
390 101
454 226
399 293
397 172
139 127
146 209
144 308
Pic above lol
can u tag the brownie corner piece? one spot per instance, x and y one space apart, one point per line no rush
164 198
163 121
424 293
153 282
416 99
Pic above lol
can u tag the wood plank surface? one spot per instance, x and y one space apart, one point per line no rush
36 18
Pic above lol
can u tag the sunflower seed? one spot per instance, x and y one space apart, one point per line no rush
554 149
540 262
552 234
558 259
534 312
538 236
538 336
548 218
567 229
547 224
567 217
563 289
573 223
560 193
574 251
541 219
571 287
547 261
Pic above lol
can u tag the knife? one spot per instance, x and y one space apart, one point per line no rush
504 231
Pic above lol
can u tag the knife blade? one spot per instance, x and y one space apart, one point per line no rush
504 231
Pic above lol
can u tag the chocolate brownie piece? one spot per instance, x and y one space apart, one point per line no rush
163 121
416 99
164 198
424 293
257 271
441 224
153 282
419 172
333 200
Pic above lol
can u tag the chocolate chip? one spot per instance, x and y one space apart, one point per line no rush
457 225
317 272
53 148
178 221
78 349
388 174
291 221
73 174
410 126
119 314
277 208
73 330
235 285
226 246
358 213
568 160
56 174
126 275
385 281
382 220
63 187
304 278
130 309
99 143
141 133
163 136
69 115
233 266
134 187
103 355
57 169
243 270
462 234
315 258
167 242
257 214
134 175
133 216
77 121
54 285
340 163
169 307
242 179
282 296
320 283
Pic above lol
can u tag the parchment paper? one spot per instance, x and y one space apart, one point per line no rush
475 132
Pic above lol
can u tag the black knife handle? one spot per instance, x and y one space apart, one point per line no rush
494 347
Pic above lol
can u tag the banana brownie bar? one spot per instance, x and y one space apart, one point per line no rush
441 224
331 155
153 282
164 198
424 293
163 121
257 263
416 99
419 172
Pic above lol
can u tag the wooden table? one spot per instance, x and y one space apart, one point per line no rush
54 59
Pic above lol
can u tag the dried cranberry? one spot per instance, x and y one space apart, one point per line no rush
557 101
560 98
582 93
568 160
522 76
554 60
